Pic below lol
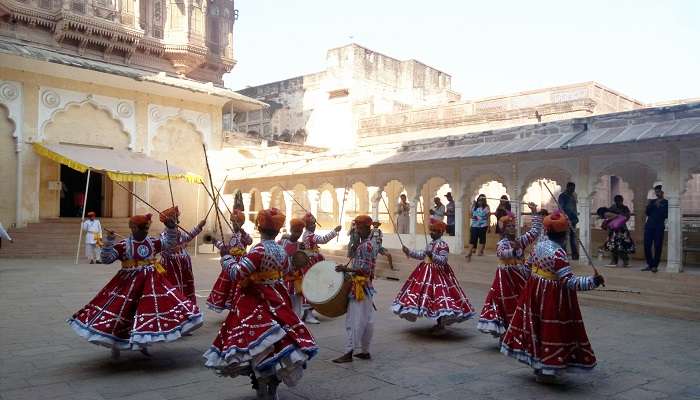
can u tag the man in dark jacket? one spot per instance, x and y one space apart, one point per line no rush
568 203
657 212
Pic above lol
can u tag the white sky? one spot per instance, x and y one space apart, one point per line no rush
649 50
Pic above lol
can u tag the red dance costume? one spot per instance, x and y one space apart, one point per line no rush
178 264
311 240
262 333
294 277
511 276
547 331
224 289
139 306
432 290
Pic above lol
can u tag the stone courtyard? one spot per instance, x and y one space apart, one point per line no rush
639 356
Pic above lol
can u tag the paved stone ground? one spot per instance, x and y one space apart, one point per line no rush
640 357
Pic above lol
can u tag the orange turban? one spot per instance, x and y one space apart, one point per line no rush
309 219
172 212
363 220
141 221
506 219
91 214
270 219
296 224
438 225
238 216
556 222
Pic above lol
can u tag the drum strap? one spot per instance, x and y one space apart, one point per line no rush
296 277
237 251
358 286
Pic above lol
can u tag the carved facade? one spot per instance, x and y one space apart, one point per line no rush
192 38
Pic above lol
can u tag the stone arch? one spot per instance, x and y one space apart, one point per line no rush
328 207
391 192
189 122
179 143
300 193
422 182
357 200
277 199
475 181
8 168
550 172
630 171
254 204
86 122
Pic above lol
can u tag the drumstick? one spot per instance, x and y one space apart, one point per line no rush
420 204
342 208
392 220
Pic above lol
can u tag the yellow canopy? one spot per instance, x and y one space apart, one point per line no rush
118 165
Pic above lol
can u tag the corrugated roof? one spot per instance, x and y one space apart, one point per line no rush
625 127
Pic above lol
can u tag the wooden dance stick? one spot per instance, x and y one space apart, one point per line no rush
170 184
619 291
425 233
112 232
146 203
211 207
392 220
342 209
299 204
215 201
571 229
211 183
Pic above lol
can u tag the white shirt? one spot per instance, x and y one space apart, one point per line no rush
3 233
92 230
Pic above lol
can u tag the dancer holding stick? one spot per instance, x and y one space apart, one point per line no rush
170 184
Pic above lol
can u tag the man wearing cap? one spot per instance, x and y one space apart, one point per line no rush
262 337
176 259
311 241
222 292
657 213
377 238
359 319
139 306
547 331
432 290
93 236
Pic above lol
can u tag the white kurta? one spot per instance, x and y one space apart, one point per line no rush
92 229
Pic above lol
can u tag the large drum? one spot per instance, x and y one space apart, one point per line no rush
326 289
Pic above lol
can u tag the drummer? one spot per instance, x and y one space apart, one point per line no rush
311 241
359 320
295 273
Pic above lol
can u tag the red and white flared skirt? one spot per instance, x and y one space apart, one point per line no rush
501 300
263 335
136 308
178 267
547 331
432 291
223 291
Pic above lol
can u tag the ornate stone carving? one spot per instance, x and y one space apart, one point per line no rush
50 98
125 110
9 91
158 115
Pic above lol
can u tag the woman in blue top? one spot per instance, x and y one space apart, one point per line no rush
481 213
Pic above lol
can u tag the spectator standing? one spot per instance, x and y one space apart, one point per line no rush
619 243
657 213
438 210
568 201
93 235
481 213
502 210
450 212
403 211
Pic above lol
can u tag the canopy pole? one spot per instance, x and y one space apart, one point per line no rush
82 218
197 218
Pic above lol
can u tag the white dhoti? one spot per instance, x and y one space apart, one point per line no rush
359 325
92 252
297 302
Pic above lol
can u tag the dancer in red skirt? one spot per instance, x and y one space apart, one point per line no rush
511 273
176 260
311 241
262 337
432 290
547 331
294 275
223 291
139 306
